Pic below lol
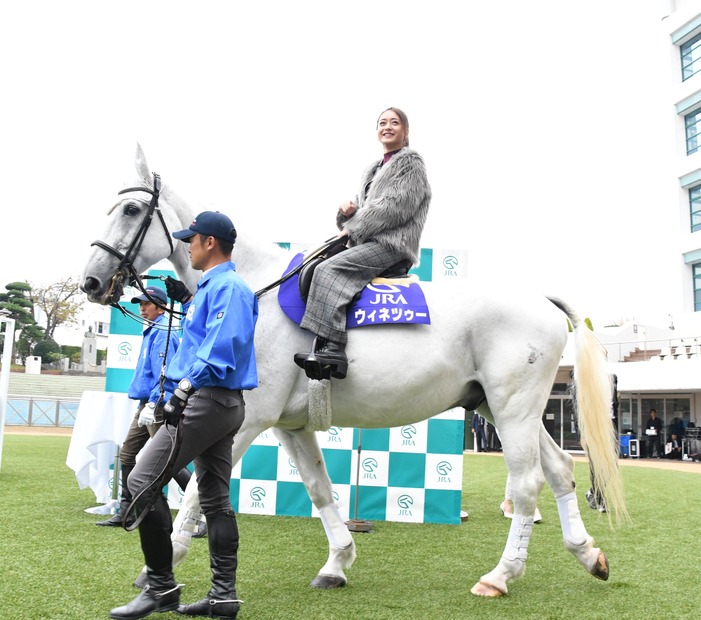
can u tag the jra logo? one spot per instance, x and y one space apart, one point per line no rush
388 299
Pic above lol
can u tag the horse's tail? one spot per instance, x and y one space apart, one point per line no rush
593 398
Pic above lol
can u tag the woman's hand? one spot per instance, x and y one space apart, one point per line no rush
348 208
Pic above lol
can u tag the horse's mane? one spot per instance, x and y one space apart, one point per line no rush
258 262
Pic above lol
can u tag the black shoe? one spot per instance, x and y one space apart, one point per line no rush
327 359
147 602
116 520
201 530
211 608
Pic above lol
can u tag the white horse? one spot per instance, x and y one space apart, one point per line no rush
493 355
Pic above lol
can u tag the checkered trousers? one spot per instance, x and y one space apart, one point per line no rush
337 280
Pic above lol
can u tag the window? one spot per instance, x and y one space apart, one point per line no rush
101 326
693 125
691 57
696 271
695 207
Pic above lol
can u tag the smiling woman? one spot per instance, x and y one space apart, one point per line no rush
393 129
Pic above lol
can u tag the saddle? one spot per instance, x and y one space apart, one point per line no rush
394 297
398 270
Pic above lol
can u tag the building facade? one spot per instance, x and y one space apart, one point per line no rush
682 25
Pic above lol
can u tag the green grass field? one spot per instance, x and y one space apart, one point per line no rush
56 564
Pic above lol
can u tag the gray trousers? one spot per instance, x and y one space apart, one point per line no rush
211 419
136 438
337 280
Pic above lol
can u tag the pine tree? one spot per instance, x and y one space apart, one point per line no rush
17 300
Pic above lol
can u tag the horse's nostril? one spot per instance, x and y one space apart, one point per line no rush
90 285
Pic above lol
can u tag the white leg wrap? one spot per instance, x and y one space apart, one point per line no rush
573 529
513 561
335 527
519 537
185 525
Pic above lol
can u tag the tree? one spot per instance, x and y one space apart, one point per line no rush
58 303
44 349
17 300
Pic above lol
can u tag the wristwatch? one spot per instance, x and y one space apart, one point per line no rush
151 405
185 386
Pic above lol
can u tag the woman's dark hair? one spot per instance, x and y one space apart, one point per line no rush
402 117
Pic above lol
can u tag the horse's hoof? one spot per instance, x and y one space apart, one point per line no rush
482 588
328 582
141 581
601 568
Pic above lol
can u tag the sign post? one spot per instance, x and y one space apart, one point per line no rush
7 345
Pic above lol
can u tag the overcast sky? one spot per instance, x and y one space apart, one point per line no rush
544 126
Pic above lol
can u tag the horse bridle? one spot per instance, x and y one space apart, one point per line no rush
125 268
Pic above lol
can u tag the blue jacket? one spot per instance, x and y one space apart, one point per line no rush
145 386
217 345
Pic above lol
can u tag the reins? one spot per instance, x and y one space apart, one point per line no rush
327 245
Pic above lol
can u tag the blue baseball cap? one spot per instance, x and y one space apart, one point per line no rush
153 291
212 224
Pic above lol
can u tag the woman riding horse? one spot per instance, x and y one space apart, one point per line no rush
383 228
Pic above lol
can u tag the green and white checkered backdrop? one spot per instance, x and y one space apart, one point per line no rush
411 473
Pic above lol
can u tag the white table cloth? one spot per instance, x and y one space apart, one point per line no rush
101 424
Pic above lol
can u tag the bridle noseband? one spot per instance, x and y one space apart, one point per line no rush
126 265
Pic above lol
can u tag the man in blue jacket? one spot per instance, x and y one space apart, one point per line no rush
215 362
146 388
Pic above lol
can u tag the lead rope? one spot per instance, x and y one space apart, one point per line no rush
175 447
162 379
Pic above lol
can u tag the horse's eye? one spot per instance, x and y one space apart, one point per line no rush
131 210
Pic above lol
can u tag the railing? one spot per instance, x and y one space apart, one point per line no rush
672 348
44 411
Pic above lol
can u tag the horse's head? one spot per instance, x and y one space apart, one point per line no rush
137 236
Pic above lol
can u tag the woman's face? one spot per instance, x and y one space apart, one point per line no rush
391 132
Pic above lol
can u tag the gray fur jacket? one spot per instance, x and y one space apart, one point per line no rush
394 210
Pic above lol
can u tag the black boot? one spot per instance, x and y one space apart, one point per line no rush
221 601
161 593
327 359
116 519
182 478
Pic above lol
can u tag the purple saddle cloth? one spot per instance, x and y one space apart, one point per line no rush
379 304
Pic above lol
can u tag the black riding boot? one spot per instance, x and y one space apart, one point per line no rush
327 359
116 519
183 477
221 601
161 593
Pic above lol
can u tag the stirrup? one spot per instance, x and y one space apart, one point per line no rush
317 370
314 369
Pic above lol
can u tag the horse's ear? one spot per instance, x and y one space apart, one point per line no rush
142 166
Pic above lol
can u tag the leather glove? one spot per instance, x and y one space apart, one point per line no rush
147 416
177 290
174 408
